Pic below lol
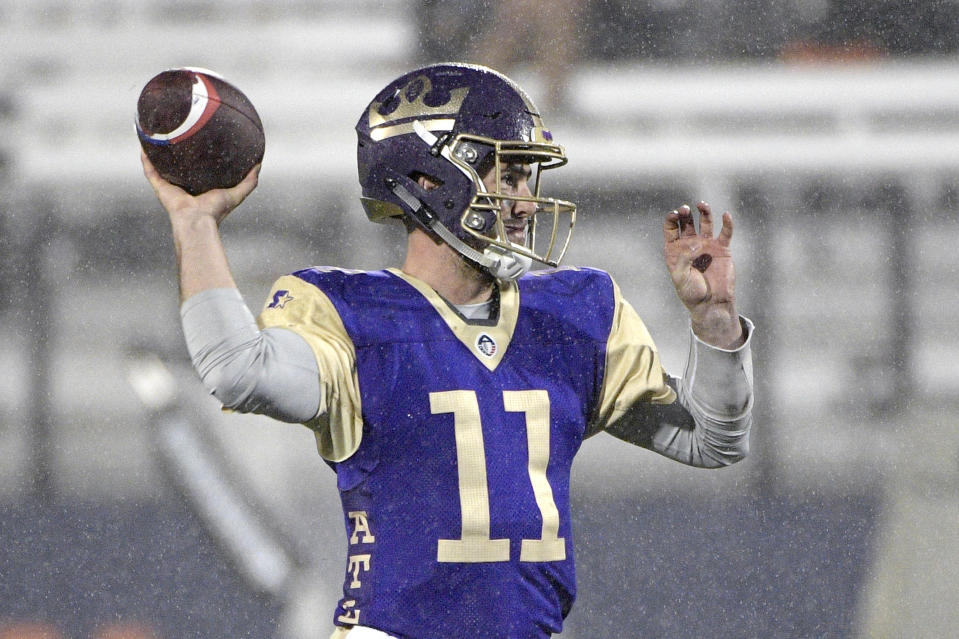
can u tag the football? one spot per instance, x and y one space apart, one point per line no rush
198 130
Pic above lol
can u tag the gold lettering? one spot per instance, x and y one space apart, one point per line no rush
358 563
350 614
361 526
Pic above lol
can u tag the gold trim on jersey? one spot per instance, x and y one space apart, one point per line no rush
478 338
307 311
634 372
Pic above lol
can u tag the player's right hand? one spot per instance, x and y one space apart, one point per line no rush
182 206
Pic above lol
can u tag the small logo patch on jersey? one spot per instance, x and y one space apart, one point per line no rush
486 345
280 298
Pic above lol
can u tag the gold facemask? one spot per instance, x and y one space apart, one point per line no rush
549 248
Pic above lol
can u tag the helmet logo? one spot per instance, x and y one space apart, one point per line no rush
486 345
410 103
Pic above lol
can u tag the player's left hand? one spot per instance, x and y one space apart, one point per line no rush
701 267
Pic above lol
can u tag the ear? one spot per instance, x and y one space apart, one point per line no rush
426 183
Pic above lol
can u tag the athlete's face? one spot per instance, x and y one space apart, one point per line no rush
513 180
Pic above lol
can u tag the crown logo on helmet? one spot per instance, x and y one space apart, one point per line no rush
410 103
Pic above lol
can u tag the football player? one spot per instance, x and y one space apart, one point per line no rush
451 394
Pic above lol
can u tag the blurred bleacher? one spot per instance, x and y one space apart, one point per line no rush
842 176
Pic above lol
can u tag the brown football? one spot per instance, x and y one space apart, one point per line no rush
199 131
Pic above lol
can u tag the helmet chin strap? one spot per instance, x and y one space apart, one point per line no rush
509 265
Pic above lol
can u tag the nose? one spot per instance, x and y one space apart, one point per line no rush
523 208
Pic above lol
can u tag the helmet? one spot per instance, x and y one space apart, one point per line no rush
452 123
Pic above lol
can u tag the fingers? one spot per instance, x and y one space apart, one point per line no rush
687 225
671 227
164 190
149 170
170 196
238 193
250 181
706 224
680 224
705 219
726 232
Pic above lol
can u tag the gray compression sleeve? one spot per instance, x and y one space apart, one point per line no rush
271 372
709 425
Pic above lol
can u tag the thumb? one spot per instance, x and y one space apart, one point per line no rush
239 192
223 201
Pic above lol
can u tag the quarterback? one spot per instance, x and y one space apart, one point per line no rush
452 392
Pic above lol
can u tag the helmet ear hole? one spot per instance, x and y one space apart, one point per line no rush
425 180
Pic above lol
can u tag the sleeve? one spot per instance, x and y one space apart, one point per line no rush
633 373
269 372
709 426
304 309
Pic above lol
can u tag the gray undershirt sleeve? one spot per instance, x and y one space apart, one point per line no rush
271 372
709 424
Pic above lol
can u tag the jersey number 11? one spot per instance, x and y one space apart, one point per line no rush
474 544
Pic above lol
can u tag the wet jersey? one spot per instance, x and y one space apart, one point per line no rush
453 440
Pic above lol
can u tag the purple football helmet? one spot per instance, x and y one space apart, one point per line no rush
452 123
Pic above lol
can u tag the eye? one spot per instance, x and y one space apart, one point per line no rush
510 179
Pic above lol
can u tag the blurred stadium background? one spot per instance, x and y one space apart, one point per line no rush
130 507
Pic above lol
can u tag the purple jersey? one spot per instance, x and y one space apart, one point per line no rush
456 502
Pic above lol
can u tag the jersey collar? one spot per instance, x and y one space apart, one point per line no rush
487 340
